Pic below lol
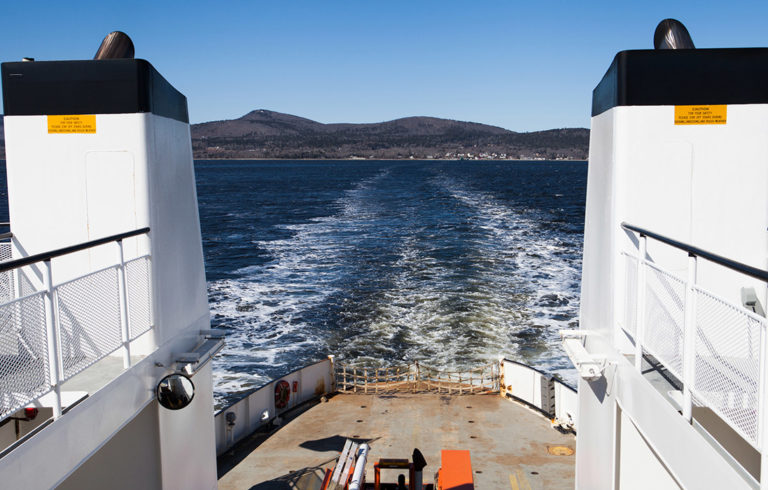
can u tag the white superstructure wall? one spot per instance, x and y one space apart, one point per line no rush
135 171
179 287
66 189
97 148
670 153
700 184
645 171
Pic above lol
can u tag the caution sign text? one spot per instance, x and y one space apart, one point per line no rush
80 123
701 114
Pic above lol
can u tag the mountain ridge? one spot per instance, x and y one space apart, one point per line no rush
262 133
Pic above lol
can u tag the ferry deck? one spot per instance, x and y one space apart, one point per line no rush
511 445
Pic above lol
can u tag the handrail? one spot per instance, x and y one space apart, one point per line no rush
5 235
14 264
698 252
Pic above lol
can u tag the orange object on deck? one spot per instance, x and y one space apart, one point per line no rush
455 471
326 480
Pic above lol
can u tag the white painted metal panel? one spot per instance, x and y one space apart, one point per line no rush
54 197
639 467
312 381
69 441
187 439
527 384
128 461
53 167
110 192
566 404
699 184
676 444
178 274
594 446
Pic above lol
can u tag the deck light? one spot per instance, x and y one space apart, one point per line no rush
30 413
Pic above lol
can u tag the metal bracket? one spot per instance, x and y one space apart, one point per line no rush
188 358
213 333
191 362
590 367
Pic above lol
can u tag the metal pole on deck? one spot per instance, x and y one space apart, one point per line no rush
333 373
762 412
640 313
689 339
122 287
54 354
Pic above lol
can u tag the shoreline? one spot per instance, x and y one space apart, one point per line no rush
195 159
383 160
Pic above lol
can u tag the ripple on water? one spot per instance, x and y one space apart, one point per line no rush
409 263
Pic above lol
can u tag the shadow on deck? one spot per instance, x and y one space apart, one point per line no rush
509 444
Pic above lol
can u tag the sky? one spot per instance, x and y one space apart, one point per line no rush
523 66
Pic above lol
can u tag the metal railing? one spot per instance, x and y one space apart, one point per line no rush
692 251
416 378
716 348
50 333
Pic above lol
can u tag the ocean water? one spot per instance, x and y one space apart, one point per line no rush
454 264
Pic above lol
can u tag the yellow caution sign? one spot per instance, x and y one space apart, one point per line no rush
80 123
701 114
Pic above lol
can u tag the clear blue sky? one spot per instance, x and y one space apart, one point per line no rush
524 66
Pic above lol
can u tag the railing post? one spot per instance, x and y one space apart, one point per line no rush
54 353
640 313
689 338
122 288
762 412
333 373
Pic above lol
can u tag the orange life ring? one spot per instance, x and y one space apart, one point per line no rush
282 394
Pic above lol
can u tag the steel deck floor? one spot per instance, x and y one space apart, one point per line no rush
508 442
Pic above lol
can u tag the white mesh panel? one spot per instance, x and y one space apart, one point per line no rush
137 275
5 251
89 319
26 286
7 289
728 362
23 353
664 316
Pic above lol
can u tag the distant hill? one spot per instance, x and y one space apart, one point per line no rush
267 134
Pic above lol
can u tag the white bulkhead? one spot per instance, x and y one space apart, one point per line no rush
679 150
124 164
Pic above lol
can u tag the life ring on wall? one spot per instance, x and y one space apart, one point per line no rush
282 394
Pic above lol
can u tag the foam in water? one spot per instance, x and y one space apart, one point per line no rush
442 273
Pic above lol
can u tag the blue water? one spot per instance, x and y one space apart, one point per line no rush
450 263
